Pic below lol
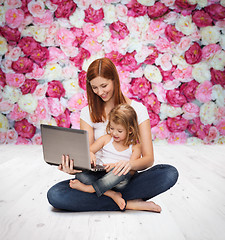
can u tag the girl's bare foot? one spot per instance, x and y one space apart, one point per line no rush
117 198
76 184
143 206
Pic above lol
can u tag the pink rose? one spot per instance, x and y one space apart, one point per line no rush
65 37
55 89
15 79
12 136
194 54
167 75
55 107
29 86
25 129
45 20
115 56
82 80
94 30
56 54
128 62
22 65
163 45
198 129
204 92
216 11
135 9
177 124
40 90
12 35
17 114
37 72
157 10
202 19
5 106
81 56
154 118
28 45
175 98
92 45
173 34
63 120
221 126
13 53
42 110
2 78
14 3
177 138
36 139
210 51
217 77
14 17
189 89
161 131
23 141
183 74
80 36
3 136
40 56
24 7
118 30
152 103
150 59
75 120
78 101
65 8
184 4
93 16
191 110
140 87
212 135
36 8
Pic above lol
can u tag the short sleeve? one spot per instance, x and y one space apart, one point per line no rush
85 115
141 110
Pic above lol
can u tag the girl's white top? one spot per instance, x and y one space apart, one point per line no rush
100 128
111 155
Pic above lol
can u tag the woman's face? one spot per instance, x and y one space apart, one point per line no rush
103 87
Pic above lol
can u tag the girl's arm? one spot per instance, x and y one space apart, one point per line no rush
99 143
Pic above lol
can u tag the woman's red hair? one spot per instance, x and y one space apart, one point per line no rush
105 68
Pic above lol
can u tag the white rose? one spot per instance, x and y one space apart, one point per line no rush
179 61
222 2
134 45
222 41
51 122
201 72
2 15
53 71
28 103
4 125
169 111
77 18
220 140
88 61
210 34
71 87
147 2
11 94
218 94
105 35
70 71
109 13
194 141
208 112
218 61
153 74
3 46
185 25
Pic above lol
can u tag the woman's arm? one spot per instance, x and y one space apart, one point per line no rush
87 127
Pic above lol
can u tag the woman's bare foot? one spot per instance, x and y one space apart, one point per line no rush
117 198
141 205
76 184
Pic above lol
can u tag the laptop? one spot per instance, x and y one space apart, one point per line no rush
57 141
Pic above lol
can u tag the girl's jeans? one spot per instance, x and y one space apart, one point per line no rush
102 181
143 185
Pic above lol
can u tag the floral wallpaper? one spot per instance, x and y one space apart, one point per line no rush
170 56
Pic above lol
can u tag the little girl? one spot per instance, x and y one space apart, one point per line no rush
119 144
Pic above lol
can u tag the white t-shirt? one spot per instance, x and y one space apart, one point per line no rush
100 128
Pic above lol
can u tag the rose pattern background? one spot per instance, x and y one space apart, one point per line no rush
170 56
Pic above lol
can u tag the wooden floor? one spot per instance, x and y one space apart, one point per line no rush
193 209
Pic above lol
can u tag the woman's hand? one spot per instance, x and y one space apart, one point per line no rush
67 165
109 167
93 159
122 168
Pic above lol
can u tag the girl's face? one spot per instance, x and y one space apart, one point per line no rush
118 132
103 87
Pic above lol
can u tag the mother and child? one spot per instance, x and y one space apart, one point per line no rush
119 136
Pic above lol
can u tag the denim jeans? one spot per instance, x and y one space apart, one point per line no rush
143 185
102 181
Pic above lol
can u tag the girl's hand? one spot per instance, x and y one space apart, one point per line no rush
122 168
93 159
109 167
67 165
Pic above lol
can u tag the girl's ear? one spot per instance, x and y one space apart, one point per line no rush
130 130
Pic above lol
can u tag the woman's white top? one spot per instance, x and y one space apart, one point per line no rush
111 155
100 128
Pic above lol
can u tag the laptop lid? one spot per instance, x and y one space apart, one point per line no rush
57 141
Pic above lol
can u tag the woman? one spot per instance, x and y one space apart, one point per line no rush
103 93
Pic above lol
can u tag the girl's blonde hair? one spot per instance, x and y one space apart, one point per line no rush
126 116
105 68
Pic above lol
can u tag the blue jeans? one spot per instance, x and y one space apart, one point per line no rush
102 181
143 185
